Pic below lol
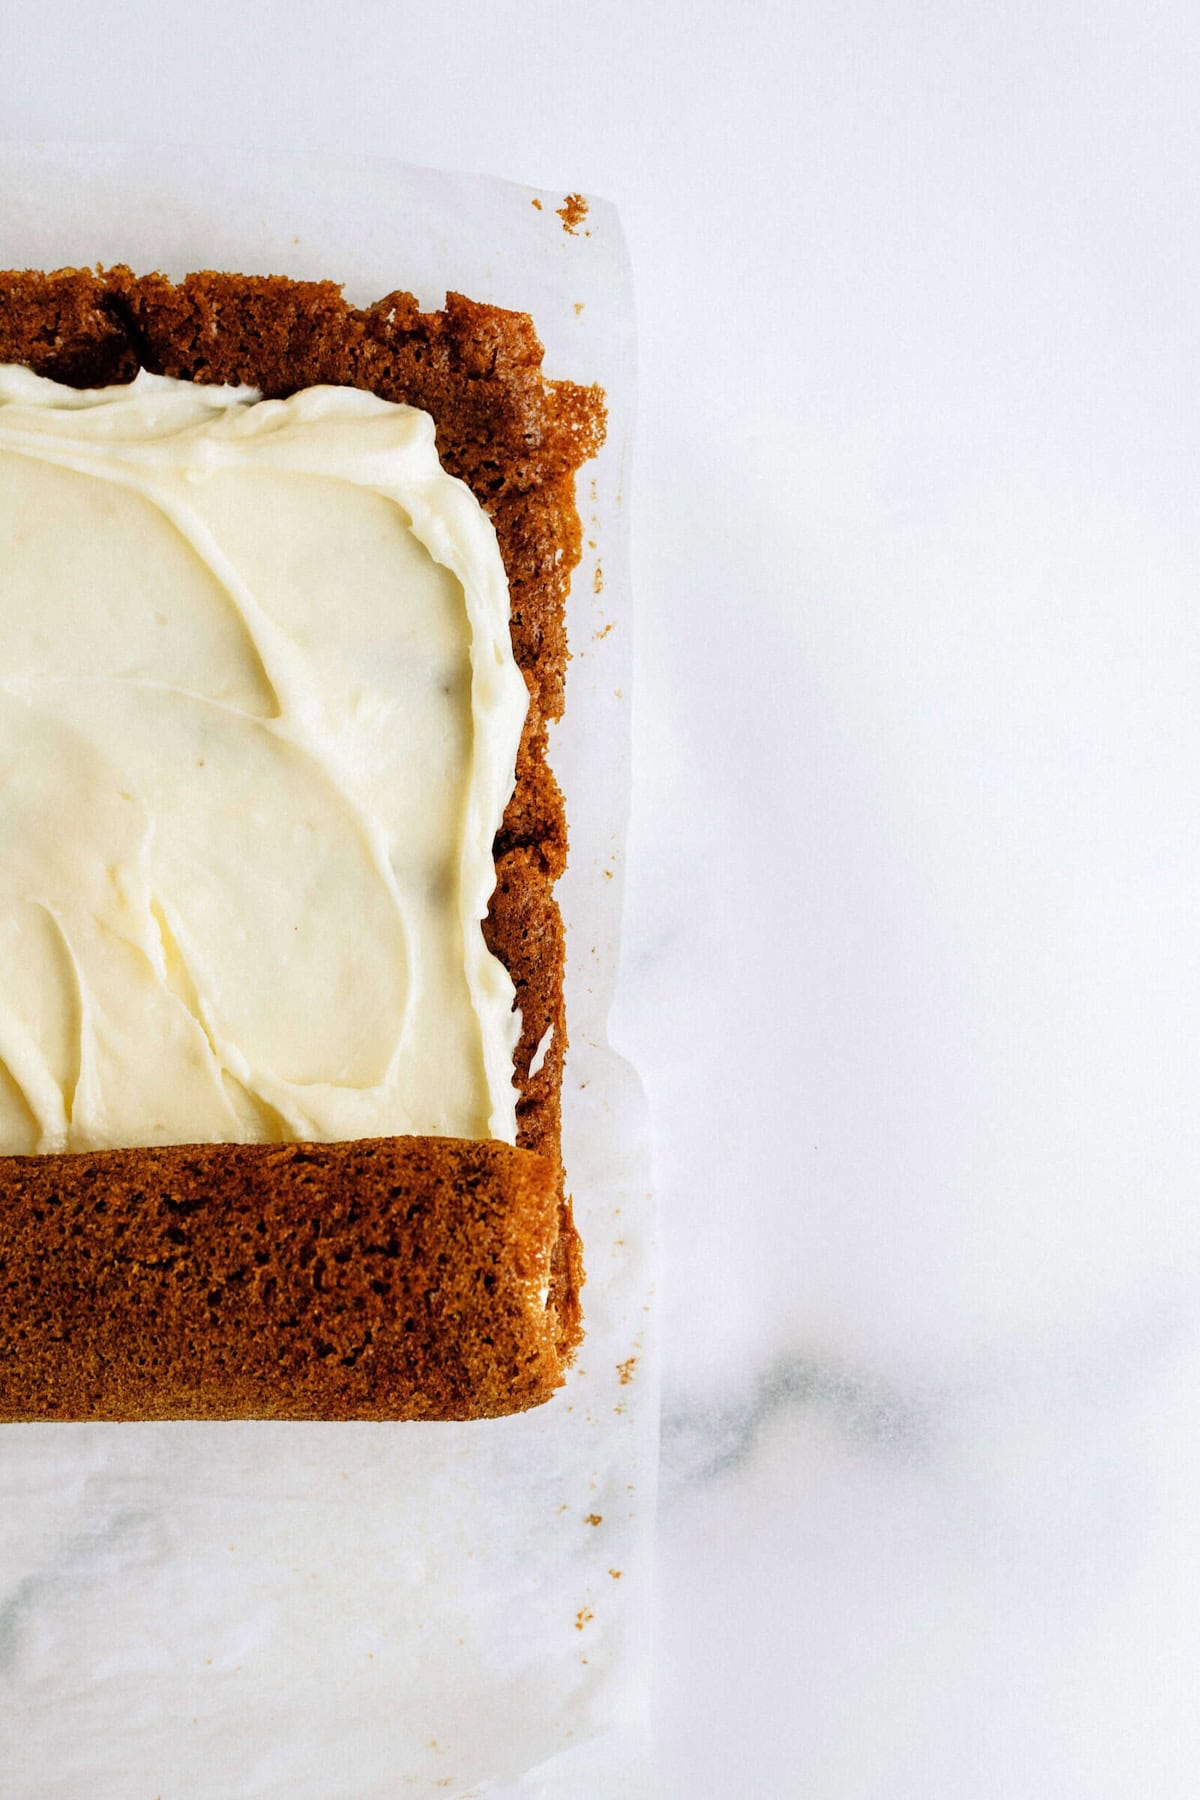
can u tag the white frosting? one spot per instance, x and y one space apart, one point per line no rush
259 717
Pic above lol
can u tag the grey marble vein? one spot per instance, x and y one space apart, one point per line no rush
699 1443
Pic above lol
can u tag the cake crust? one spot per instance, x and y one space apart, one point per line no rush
517 440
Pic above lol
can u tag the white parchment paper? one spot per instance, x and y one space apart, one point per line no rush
279 1611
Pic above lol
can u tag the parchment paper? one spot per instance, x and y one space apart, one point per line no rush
278 1611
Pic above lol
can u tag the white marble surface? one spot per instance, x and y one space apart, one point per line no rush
911 965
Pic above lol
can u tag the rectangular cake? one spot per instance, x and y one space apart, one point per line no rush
274 1217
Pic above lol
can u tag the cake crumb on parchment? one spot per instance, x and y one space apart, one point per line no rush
572 212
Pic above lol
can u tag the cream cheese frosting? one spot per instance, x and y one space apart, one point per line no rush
259 716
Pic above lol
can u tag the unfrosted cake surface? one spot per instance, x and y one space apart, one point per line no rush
423 1343
397 1278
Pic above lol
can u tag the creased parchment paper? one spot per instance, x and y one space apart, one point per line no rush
279 1611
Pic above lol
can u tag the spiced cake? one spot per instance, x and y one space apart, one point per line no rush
333 1266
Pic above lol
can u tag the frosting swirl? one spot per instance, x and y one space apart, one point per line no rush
259 716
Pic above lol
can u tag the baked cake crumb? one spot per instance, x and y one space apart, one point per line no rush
572 212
